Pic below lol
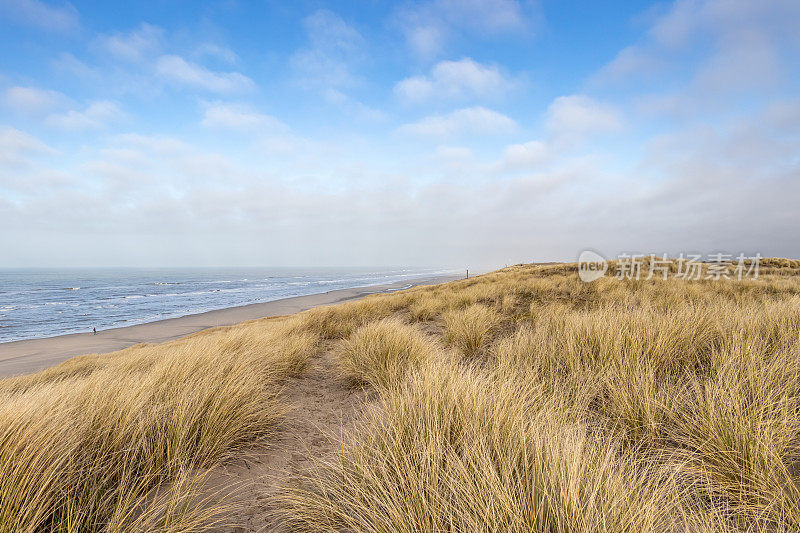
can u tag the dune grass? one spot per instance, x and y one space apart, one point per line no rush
469 329
456 450
519 400
86 445
650 405
382 352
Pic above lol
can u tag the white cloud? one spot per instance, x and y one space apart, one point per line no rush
453 153
134 46
32 99
146 63
215 50
577 116
675 27
714 47
176 69
494 16
465 78
353 107
315 69
97 115
239 117
328 30
68 63
710 177
425 40
429 26
15 145
750 61
668 103
381 200
454 160
630 61
186 204
333 51
266 134
524 156
467 121
40 14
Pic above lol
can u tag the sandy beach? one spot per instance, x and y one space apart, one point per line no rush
28 356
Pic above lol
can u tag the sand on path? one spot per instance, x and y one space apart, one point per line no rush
321 409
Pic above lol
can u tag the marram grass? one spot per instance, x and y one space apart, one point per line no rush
561 406
85 446
520 400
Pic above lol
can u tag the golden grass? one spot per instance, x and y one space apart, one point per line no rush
382 352
455 450
520 400
469 329
339 321
660 405
84 446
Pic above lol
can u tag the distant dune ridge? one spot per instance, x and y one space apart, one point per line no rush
519 400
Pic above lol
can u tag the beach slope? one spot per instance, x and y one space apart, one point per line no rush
28 356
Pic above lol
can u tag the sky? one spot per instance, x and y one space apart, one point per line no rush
472 133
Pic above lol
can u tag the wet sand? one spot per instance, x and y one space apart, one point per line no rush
28 356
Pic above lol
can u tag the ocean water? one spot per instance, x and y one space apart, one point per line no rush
46 302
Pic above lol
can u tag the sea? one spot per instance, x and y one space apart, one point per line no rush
38 303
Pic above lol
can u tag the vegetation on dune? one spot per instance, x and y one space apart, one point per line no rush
617 405
85 446
520 400
382 352
455 449
468 329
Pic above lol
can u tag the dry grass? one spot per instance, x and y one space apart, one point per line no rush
381 353
339 321
659 405
469 329
455 450
520 400
86 445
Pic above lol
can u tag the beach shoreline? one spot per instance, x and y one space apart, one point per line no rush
32 355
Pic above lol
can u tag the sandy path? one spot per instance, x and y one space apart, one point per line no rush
318 405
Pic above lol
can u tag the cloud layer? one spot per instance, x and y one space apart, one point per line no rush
426 133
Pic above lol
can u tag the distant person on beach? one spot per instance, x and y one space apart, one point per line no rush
94 331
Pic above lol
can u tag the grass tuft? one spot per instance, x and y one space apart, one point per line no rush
469 329
380 353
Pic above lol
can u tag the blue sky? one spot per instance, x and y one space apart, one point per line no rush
452 133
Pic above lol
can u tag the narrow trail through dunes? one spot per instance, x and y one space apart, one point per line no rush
319 405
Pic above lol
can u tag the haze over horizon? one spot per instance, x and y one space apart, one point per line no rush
439 133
